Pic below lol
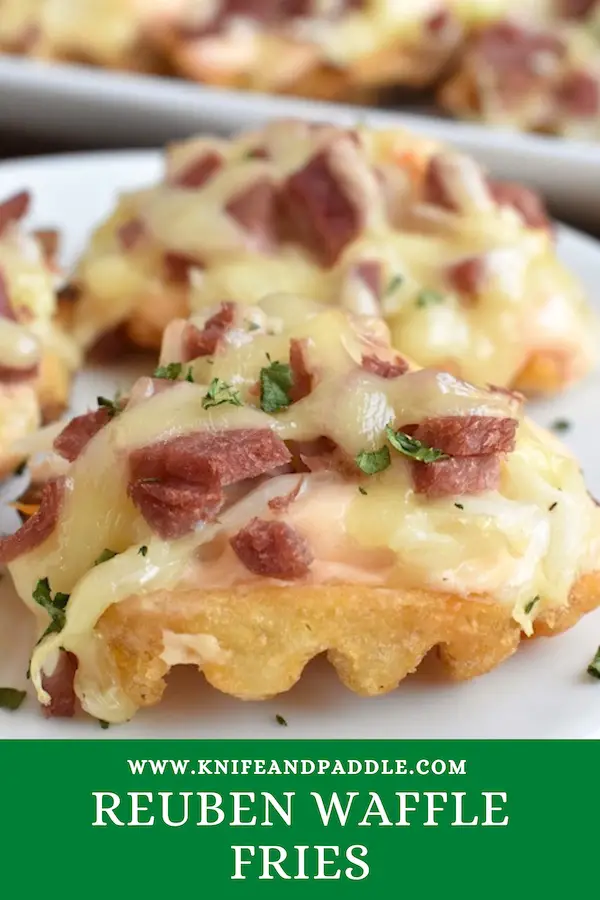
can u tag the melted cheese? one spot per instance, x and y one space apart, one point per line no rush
19 348
276 55
30 287
101 30
528 301
19 415
105 30
475 12
533 536
477 90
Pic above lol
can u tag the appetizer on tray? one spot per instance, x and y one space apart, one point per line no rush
531 76
287 484
109 33
462 267
36 358
333 49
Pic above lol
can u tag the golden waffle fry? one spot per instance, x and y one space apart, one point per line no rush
531 76
330 49
255 643
287 484
462 267
107 33
36 357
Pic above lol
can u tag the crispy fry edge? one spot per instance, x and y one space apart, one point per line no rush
260 639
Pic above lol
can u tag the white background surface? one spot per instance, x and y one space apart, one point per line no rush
543 691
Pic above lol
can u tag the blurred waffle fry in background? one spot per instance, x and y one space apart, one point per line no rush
532 65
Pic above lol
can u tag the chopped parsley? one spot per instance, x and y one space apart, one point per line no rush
394 283
255 153
252 326
276 382
11 698
594 667
560 425
172 371
372 462
459 506
529 606
281 721
553 506
143 550
113 407
54 606
103 724
428 297
219 392
105 556
20 468
409 446
362 490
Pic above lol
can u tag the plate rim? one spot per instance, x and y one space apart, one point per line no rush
76 79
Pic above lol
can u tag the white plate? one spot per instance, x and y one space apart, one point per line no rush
82 105
542 692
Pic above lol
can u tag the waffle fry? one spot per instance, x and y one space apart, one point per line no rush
286 485
531 77
331 50
254 644
37 358
463 268
108 33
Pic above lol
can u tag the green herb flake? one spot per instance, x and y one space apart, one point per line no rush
219 392
276 382
255 153
54 606
172 371
143 550
253 326
11 698
553 506
529 606
20 468
413 448
428 297
459 506
111 406
103 724
374 461
394 283
594 667
105 556
362 490
560 425
190 375
281 721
